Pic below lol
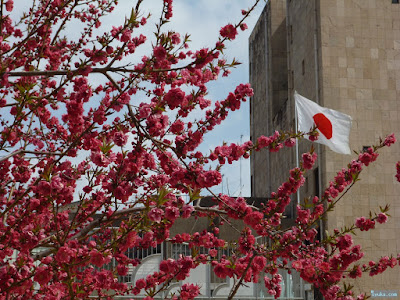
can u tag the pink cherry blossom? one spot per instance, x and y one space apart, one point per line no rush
229 31
101 158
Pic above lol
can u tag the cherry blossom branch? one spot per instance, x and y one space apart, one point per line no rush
108 68
22 151
239 283
116 216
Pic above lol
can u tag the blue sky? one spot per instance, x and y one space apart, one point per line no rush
202 19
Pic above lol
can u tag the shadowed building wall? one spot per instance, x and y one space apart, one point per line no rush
344 55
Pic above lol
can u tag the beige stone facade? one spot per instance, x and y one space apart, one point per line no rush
345 55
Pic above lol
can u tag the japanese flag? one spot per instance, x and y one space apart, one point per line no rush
333 126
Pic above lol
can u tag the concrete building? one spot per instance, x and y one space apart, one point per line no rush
345 55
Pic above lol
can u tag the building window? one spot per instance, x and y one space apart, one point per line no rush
395 1
365 148
292 80
251 102
316 182
306 184
303 67
252 190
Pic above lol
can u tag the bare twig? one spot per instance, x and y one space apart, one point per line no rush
21 151
238 284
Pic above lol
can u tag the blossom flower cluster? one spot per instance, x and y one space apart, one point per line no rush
90 170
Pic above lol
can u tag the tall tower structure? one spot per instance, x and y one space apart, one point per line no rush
344 55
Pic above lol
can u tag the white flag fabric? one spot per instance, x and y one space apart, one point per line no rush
333 126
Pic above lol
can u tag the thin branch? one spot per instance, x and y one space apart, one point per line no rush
239 283
118 214
20 151
8 200
11 155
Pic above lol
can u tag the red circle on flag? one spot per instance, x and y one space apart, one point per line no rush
323 125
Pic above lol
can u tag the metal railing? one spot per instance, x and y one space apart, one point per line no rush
292 284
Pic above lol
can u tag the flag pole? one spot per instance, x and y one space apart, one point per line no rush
297 145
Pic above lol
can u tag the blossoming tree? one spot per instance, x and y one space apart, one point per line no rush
90 170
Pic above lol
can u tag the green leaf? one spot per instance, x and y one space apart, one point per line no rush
106 147
133 17
355 177
194 194
162 193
